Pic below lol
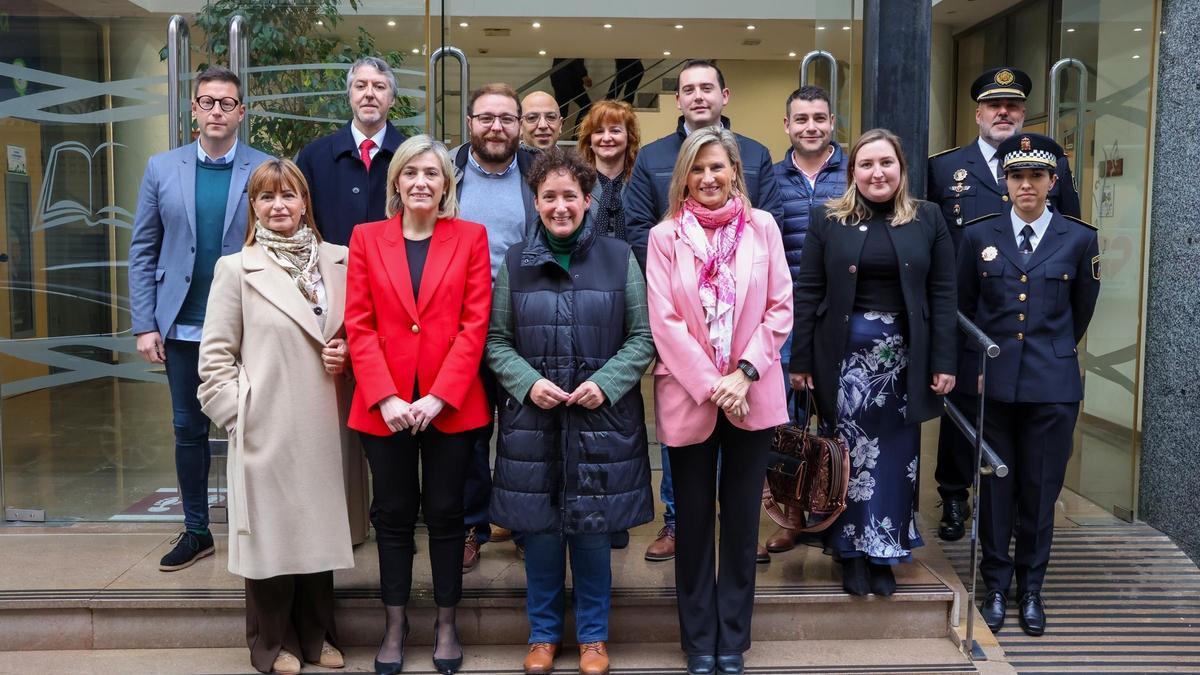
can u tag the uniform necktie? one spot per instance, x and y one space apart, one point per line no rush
364 152
999 172
1025 241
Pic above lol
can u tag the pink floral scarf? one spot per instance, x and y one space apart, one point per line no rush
717 284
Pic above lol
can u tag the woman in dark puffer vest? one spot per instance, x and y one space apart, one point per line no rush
569 340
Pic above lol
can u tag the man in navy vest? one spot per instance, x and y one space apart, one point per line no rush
191 210
1029 277
347 170
968 183
810 174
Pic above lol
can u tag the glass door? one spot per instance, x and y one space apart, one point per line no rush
1106 51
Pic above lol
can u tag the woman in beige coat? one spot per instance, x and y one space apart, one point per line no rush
271 363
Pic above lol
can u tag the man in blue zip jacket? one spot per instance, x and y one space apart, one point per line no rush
701 95
810 174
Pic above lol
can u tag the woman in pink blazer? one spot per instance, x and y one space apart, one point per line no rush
720 298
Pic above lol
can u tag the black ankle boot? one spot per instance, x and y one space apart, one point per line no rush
854 576
883 581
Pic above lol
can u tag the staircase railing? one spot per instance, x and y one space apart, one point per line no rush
650 82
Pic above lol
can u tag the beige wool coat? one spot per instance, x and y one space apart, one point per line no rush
262 379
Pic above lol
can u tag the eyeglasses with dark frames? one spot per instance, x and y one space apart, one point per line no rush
488 119
227 103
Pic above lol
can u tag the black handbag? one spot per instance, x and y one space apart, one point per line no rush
807 476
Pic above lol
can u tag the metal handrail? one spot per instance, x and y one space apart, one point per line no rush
464 83
1080 109
986 463
239 60
541 76
179 109
833 74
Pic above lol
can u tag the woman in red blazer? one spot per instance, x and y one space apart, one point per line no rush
417 306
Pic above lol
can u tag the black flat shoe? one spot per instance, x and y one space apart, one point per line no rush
854 576
731 664
1032 614
446 666
883 580
393 667
619 540
994 605
702 665
954 515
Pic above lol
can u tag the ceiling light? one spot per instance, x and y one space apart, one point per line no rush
537 24
666 53
391 22
1138 29
608 25
541 52
820 27
416 51
463 24
792 54
678 26
1137 56
751 27
1070 30
845 27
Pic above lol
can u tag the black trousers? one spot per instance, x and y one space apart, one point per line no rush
955 454
292 612
716 602
399 495
1034 440
628 77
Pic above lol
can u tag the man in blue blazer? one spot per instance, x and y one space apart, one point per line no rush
968 183
347 170
1028 277
192 209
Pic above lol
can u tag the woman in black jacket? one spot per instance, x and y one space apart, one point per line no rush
569 340
874 339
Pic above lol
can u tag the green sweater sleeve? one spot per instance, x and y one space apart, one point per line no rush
513 372
624 370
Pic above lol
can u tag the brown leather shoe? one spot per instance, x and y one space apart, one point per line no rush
286 663
782 540
331 657
662 548
540 659
761 555
499 534
470 551
593 659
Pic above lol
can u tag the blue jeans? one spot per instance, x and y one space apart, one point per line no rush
666 488
192 454
545 578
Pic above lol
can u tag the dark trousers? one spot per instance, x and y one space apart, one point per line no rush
955 454
569 92
192 454
292 612
1034 440
477 494
399 495
716 597
628 77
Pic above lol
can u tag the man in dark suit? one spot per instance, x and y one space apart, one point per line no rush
347 170
968 183
701 95
1029 278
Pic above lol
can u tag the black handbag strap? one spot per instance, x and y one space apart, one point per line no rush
810 407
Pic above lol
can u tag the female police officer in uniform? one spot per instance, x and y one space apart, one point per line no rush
1029 278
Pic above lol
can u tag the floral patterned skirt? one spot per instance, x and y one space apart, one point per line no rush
879 521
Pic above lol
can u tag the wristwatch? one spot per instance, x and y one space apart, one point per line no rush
749 370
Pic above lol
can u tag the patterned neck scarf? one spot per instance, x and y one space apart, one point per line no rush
297 255
610 217
718 287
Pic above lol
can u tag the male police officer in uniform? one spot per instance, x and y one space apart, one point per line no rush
967 183
1029 278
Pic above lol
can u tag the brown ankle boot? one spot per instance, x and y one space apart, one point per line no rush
593 659
540 659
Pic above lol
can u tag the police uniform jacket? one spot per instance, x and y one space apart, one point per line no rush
978 194
1035 307
824 299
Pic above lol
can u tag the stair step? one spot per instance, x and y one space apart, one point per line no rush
791 657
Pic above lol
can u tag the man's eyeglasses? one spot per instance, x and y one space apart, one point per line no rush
227 104
532 117
488 119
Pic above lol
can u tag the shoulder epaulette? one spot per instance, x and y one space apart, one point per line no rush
1081 222
976 220
939 154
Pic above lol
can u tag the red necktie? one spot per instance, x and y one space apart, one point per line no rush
364 151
